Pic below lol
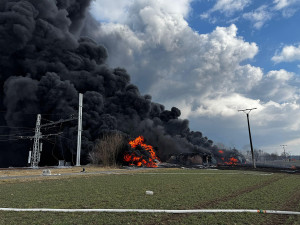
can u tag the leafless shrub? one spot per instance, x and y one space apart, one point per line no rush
106 149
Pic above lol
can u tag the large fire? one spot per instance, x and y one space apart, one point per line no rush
144 154
232 161
229 161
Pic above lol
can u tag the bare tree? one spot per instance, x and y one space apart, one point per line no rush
256 155
106 150
274 156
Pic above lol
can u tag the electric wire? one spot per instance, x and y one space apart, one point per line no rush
22 133
43 114
65 137
47 120
49 141
52 151
13 139
30 128
16 132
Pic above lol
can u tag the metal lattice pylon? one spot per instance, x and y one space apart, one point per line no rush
35 156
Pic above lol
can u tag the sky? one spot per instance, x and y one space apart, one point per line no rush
210 59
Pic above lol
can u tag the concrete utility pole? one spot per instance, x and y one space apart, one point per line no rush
247 111
79 130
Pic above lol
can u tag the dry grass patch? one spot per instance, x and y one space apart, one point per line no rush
54 170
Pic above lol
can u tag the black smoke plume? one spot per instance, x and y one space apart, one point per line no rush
45 64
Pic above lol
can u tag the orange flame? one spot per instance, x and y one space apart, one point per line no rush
232 161
133 159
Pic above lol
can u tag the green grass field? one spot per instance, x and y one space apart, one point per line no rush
173 189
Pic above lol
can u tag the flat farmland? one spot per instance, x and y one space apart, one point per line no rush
172 188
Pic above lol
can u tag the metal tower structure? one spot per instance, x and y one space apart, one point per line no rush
36 152
284 153
35 155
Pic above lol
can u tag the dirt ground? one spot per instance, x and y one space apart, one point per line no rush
54 170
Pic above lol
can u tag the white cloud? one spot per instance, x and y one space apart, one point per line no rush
107 10
280 75
179 7
205 75
117 11
227 7
287 7
224 105
230 6
293 144
281 4
259 16
276 86
264 13
288 54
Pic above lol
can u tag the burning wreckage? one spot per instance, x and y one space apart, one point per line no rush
143 155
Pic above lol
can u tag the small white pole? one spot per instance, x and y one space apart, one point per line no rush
41 148
29 157
79 129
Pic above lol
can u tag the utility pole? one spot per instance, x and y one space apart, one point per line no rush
79 130
284 153
247 111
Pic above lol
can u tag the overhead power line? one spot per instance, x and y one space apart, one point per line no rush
35 154
21 133
31 128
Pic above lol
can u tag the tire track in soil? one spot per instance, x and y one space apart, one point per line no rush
290 204
168 219
226 198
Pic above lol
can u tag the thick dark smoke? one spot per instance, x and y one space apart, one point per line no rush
45 64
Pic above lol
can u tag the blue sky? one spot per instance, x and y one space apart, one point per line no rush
278 31
211 58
